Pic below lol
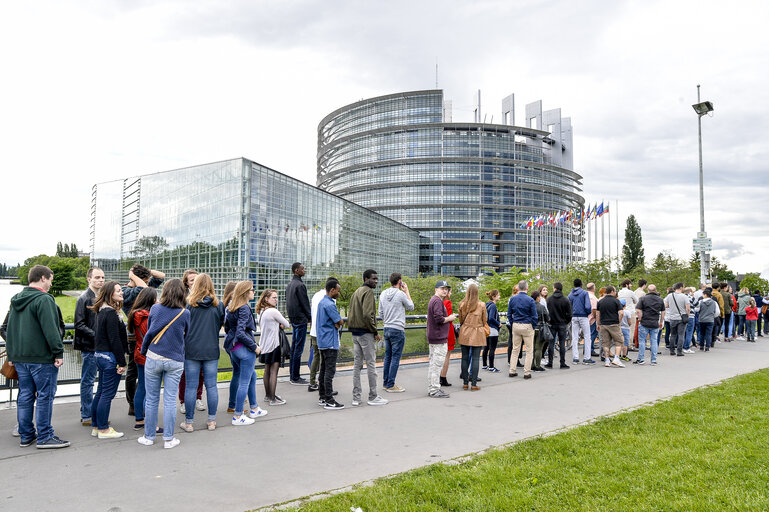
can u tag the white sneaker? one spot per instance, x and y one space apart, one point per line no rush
15 432
378 401
182 409
171 444
355 403
146 442
688 351
257 413
616 362
199 405
740 338
607 363
243 420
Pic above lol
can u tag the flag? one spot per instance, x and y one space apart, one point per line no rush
599 211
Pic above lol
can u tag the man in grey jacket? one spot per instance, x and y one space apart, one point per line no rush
678 306
393 304
708 311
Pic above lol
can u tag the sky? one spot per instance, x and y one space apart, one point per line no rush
94 91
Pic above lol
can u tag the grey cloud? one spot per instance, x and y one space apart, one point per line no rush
730 248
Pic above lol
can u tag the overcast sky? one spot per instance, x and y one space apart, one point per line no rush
99 90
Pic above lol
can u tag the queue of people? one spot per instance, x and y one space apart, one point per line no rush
176 334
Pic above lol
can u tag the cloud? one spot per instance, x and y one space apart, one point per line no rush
730 249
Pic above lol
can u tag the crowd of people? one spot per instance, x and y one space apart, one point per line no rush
171 340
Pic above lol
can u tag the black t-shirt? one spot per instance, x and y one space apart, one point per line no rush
609 308
651 305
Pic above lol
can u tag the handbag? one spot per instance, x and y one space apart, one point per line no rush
487 330
763 309
285 347
545 333
8 371
684 316
145 346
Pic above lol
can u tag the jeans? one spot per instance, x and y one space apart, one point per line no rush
106 391
489 351
87 378
141 393
365 350
678 332
689 332
210 370
559 333
315 360
667 334
298 335
168 371
741 324
130 372
653 334
37 382
580 323
469 371
716 329
246 384
593 335
328 358
751 329
234 382
438 353
705 334
395 339
183 386
626 336
727 323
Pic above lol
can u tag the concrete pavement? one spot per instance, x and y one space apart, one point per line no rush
300 449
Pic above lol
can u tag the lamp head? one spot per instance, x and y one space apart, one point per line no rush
703 108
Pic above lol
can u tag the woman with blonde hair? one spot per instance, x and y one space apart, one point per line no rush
201 348
270 323
239 342
472 335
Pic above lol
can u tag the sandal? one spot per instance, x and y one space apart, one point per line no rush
187 427
211 425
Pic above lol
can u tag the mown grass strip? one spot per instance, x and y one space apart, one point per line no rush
706 450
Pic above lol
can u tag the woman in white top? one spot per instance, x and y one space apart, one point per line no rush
270 323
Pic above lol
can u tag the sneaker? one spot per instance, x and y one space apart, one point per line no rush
355 403
53 442
395 389
484 367
230 410
277 401
565 366
299 382
639 362
624 358
494 370
616 362
588 361
243 420
187 427
15 432
211 424
27 442
146 442
575 361
312 387
740 338
333 405
607 364
438 394
257 413
378 401
111 433
321 403
654 363
688 351
549 365
86 422
182 409
199 405
94 432
171 444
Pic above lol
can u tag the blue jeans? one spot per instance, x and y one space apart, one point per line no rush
705 334
233 381
741 323
210 370
106 391
140 394
36 382
751 329
298 335
593 336
246 360
395 339
689 332
626 335
87 378
170 372
654 336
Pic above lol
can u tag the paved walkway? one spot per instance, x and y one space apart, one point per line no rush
301 449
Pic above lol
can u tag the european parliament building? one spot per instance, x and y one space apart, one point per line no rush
238 220
465 186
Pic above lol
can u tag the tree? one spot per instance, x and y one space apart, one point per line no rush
59 249
632 250
753 281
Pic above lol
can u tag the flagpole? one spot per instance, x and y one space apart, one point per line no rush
616 217
609 230
603 239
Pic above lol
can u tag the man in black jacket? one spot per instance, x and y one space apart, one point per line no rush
559 308
299 314
85 324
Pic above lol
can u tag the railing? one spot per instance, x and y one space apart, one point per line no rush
415 346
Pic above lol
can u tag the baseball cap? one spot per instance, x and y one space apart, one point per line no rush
442 284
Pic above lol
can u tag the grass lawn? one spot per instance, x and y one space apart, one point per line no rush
67 305
706 450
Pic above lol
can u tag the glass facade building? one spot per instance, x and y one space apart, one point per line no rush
238 220
466 187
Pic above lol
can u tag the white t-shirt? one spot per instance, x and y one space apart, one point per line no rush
314 310
631 299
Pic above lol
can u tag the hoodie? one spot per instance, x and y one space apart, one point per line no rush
559 308
33 334
393 305
202 340
743 301
580 303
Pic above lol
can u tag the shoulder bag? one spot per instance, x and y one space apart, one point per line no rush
146 347
8 371
285 347
684 316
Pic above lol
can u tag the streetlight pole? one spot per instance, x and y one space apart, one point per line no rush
702 108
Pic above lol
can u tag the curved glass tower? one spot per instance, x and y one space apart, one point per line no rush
466 187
